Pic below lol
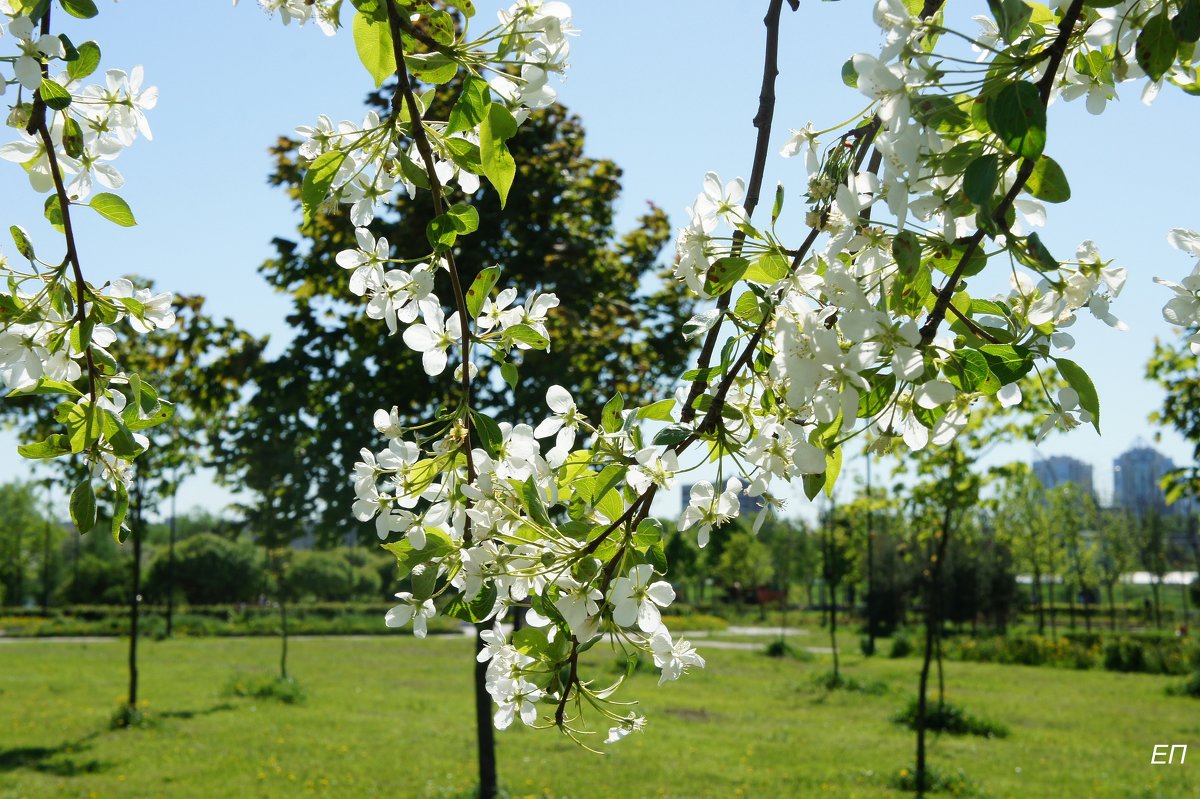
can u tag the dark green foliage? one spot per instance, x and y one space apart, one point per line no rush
329 576
209 570
98 580
950 718
902 646
837 681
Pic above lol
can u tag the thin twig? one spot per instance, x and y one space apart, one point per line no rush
1045 86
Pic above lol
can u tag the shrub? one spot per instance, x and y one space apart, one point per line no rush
262 686
955 784
949 718
902 646
1190 687
209 570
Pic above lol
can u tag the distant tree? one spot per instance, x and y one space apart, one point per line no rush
208 570
22 529
745 564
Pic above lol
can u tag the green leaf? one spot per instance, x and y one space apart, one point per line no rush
475 611
83 426
724 273
489 433
966 370
1011 17
72 138
768 268
1007 362
113 208
813 483
531 497
318 179
118 435
906 250
54 95
89 59
373 41
1156 46
120 511
850 78
610 415
1048 182
747 308
777 208
530 641
432 68
464 218
878 397
83 506
480 289
469 109
509 372
648 533
46 386
21 239
527 335
1186 24
658 411
1078 379
497 127
52 447
980 179
670 436
1018 117
82 9
441 233
833 467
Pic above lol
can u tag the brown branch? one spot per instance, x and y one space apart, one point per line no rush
1056 52
38 124
405 90
762 121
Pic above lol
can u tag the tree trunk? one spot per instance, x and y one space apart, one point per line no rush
135 600
171 571
932 624
833 632
283 630
1158 614
484 731
1041 605
1112 610
45 569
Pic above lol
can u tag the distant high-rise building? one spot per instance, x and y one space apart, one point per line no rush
1059 469
1136 473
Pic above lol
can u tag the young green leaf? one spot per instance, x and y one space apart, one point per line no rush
113 208
1079 380
83 507
1048 182
54 95
89 59
498 165
469 109
373 41
1155 48
318 179
1018 117
480 288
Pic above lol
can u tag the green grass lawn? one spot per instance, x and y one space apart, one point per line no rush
392 716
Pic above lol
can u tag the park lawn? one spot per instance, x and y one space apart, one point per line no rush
392 716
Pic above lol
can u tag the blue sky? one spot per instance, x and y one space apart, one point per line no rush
665 89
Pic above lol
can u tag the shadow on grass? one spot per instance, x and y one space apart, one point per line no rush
191 714
68 759
59 761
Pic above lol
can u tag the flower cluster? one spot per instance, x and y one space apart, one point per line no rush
56 328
